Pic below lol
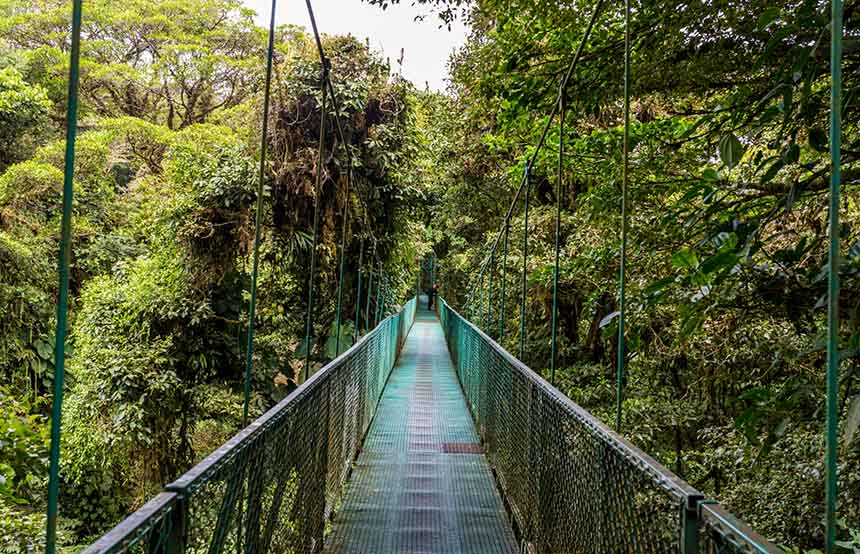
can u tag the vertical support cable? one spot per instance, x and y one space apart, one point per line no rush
252 306
345 219
357 330
525 260
376 311
367 325
553 360
63 291
833 273
488 324
503 294
481 305
622 299
317 202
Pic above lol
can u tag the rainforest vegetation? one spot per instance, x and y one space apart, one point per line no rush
727 236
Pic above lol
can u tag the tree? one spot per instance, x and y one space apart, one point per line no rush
729 174
167 61
23 107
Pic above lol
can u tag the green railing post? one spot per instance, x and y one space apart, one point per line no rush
317 202
832 441
64 261
525 262
558 194
622 299
689 529
178 522
252 305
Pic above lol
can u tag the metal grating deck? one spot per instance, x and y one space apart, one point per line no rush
407 495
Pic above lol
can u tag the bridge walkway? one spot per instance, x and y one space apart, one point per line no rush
421 484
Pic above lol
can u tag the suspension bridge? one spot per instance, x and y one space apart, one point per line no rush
426 436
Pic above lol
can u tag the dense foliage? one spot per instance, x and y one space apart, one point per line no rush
165 189
729 174
727 274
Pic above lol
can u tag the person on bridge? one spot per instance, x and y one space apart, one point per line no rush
431 296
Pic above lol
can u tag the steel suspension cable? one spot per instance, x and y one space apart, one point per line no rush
571 68
264 135
488 324
356 331
336 107
358 287
832 439
482 305
377 312
64 261
317 203
525 260
369 289
344 222
553 360
563 87
625 181
503 293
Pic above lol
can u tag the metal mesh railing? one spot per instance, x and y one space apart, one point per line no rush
272 487
571 483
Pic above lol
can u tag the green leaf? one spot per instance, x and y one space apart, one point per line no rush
772 171
818 140
718 262
852 421
608 319
685 259
731 150
792 154
767 17
656 286
44 349
710 175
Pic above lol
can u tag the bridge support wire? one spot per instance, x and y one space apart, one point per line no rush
832 442
317 194
64 262
625 181
525 260
559 193
264 135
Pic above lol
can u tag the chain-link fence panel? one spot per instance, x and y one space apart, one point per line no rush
571 483
273 486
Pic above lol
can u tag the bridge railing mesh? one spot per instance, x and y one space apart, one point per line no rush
571 483
272 487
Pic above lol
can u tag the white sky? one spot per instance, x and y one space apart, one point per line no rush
427 46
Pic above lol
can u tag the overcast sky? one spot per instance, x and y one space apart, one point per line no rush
427 46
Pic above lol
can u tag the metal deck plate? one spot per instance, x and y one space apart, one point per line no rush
407 495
